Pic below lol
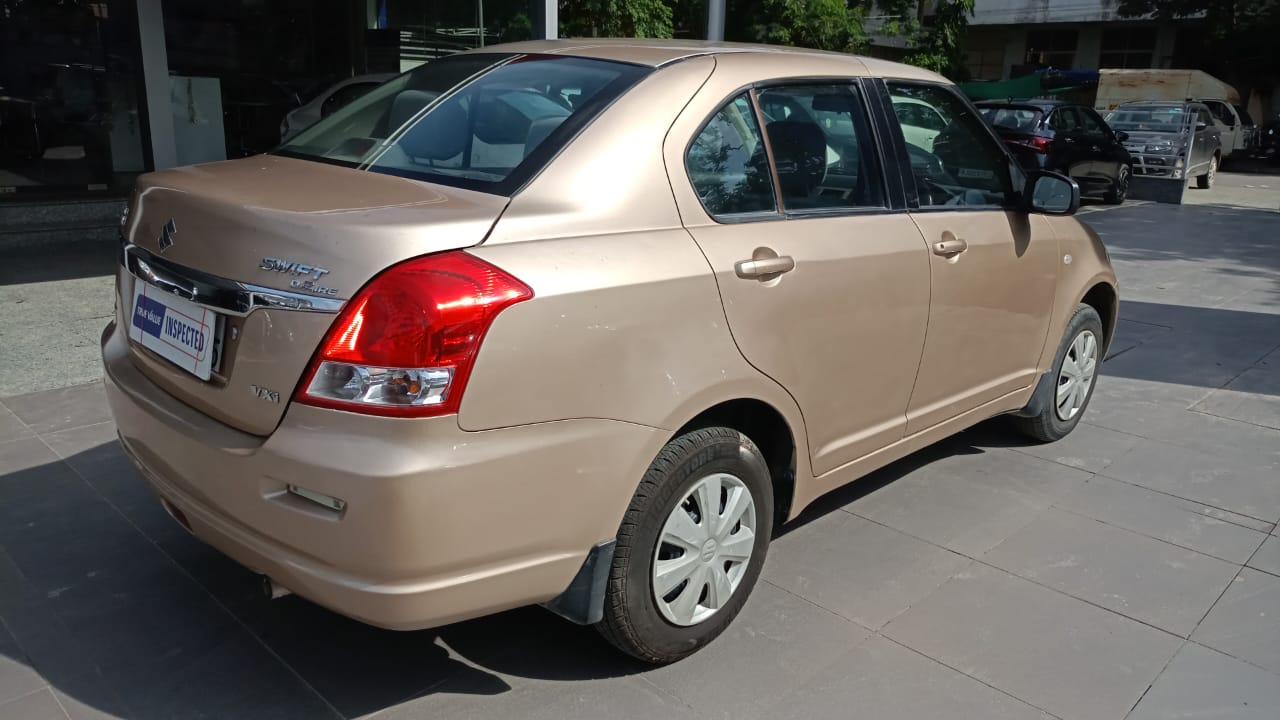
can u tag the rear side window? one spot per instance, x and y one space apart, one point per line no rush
1019 119
484 121
1064 120
727 163
1091 123
822 147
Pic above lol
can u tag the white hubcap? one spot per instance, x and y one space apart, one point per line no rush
1078 370
704 549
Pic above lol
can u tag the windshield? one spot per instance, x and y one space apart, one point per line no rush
483 121
1167 119
1023 119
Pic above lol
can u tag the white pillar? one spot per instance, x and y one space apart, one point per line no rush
155 80
546 19
715 19
1089 47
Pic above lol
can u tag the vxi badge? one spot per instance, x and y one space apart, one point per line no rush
306 277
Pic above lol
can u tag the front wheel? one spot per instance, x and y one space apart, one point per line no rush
1074 371
690 546
1205 181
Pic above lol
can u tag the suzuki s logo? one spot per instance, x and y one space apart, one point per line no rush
166 235
306 277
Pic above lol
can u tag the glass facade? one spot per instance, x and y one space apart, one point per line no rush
70 122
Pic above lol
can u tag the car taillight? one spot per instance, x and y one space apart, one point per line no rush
405 344
1036 143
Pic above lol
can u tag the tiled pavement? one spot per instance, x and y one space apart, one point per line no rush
1131 570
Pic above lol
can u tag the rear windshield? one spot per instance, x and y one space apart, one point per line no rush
484 122
1024 119
1155 118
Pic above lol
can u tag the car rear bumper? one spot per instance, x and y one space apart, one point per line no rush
438 524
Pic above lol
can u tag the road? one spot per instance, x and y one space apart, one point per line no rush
1129 571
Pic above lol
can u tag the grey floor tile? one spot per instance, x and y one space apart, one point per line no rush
1245 622
236 678
969 503
1145 579
1201 683
1253 397
855 568
1224 481
89 697
1132 333
82 443
26 454
51 410
1267 558
789 641
881 679
1088 447
1052 651
614 699
17 678
40 705
1207 433
11 428
1223 535
1138 407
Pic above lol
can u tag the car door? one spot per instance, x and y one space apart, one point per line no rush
1106 156
1207 138
993 267
1066 152
824 278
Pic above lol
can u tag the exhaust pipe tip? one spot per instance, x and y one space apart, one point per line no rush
272 590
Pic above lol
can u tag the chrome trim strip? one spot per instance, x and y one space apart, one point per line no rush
219 294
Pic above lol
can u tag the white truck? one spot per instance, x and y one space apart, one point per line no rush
1119 86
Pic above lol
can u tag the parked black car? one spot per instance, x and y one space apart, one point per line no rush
1070 139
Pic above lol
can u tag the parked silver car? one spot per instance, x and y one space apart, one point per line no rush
1170 139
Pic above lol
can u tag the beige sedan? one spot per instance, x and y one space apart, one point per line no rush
581 323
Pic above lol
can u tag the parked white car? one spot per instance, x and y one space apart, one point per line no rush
331 99
921 122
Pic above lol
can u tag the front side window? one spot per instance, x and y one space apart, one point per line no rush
822 147
1091 123
963 165
484 121
727 163
1064 120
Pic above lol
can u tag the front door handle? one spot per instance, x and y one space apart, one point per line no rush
950 246
764 266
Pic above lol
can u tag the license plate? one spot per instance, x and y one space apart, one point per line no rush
174 328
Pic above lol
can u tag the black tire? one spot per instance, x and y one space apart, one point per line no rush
1205 181
1048 425
632 620
1119 187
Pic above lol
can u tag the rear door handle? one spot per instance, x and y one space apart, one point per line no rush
762 267
950 247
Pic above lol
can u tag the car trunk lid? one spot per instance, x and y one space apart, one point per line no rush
302 229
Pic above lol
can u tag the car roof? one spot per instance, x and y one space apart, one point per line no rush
1158 103
656 53
1042 105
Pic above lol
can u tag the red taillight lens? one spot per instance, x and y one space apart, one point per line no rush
1038 144
404 345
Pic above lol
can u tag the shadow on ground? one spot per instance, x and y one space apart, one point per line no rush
68 262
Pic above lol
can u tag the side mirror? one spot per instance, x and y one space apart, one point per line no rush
1122 135
1051 193
1201 127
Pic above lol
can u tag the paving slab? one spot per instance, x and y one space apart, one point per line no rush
1267 558
969 503
16 676
39 705
1052 651
860 570
1203 528
1141 578
61 409
1202 683
1241 485
790 641
1245 622
11 428
883 680
1089 447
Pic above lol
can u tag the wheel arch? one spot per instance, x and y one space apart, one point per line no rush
1103 298
770 431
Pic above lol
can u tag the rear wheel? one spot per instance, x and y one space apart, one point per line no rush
1119 187
1205 181
690 547
1074 371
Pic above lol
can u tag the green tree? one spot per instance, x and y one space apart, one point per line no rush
1239 42
615 18
819 24
938 43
